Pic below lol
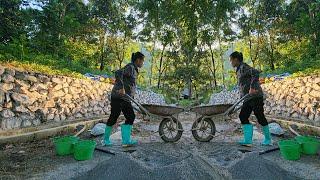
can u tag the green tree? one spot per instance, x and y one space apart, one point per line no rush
58 22
11 20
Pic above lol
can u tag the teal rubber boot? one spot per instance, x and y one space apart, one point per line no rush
247 133
126 135
267 136
107 134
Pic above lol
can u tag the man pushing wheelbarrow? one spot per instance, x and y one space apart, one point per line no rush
125 84
248 82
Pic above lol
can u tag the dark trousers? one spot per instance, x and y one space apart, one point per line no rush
118 106
255 105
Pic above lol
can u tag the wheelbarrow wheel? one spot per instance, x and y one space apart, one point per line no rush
170 131
203 131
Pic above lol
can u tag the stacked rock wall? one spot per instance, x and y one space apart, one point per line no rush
30 99
297 98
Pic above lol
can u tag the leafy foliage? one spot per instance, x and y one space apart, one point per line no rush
186 42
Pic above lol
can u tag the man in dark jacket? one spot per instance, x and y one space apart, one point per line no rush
248 82
125 84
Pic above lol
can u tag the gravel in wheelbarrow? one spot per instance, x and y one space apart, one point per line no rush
210 110
162 110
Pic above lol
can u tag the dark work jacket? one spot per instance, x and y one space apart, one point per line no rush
126 78
248 77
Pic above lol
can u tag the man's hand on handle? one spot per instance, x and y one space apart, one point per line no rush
253 91
122 91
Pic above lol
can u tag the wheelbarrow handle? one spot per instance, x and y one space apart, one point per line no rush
231 109
245 98
144 110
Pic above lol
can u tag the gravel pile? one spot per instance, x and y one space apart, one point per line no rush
149 97
224 97
255 167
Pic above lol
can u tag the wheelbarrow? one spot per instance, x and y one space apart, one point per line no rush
203 128
170 128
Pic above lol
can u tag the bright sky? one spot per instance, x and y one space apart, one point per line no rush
36 5
85 1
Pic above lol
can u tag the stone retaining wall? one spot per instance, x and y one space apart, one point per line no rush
29 99
296 98
291 98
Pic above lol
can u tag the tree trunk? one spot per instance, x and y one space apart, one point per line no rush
61 17
312 24
214 68
253 60
210 71
160 69
102 44
222 62
272 59
272 65
123 49
102 62
165 73
190 88
195 91
118 54
151 63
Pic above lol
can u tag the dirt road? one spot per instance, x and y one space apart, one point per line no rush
221 158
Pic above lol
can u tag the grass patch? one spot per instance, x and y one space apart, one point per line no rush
47 64
299 69
44 69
